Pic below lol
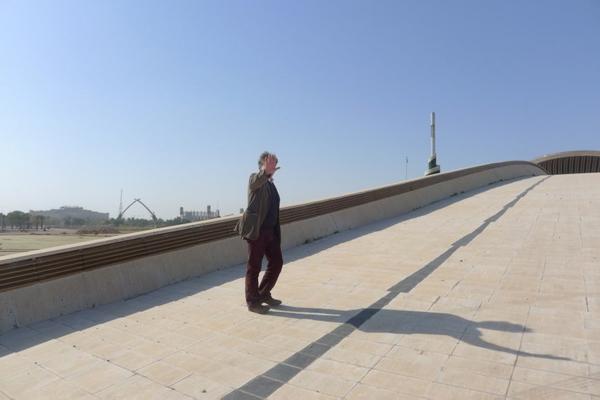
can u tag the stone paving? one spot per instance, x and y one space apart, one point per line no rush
494 294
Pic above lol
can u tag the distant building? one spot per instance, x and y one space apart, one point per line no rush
198 215
71 216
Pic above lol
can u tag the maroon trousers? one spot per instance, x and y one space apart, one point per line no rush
267 244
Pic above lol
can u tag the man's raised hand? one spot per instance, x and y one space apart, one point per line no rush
270 165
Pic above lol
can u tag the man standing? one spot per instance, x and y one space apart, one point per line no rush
259 226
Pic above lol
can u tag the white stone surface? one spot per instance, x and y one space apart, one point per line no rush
511 314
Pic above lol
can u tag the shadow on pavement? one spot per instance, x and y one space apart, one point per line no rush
403 322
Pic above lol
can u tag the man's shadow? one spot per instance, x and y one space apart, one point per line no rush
415 322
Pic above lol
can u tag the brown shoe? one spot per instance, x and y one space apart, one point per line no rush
271 301
258 308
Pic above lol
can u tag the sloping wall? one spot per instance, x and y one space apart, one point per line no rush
38 285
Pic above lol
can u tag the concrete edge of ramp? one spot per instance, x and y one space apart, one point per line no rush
115 281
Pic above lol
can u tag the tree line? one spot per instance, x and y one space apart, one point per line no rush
26 221
21 220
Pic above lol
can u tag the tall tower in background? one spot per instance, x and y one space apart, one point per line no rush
121 204
433 167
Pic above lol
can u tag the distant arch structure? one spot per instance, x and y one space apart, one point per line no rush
570 162
120 217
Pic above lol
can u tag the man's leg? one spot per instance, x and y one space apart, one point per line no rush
256 251
272 250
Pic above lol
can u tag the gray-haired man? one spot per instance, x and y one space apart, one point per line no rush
259 226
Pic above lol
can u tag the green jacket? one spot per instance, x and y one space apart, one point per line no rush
252 219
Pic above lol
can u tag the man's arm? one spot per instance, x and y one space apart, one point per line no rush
257 180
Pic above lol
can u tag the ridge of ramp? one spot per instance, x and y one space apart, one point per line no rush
31 267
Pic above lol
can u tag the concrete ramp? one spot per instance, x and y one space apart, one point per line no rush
489 294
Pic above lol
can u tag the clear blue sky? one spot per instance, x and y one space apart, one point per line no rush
174 100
